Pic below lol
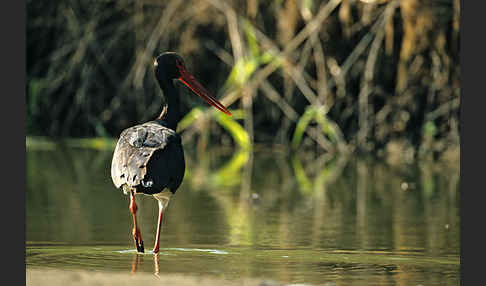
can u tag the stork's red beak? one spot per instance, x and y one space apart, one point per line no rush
188 80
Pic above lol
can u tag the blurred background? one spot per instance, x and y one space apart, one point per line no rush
344 134
329 76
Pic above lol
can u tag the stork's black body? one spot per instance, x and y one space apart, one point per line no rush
149 158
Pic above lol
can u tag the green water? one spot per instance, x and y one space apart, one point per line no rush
269 215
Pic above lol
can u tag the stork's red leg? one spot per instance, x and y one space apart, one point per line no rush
159 225
137 236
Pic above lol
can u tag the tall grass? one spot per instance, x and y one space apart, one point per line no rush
328 76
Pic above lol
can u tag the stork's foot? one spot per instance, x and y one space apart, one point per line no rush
137 238
156 246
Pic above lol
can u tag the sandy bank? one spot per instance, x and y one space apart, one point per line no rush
74 278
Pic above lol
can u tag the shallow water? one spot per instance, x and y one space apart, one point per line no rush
262 215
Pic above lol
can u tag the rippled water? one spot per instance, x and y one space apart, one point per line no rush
294 219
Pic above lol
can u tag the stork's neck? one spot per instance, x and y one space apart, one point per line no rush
170 114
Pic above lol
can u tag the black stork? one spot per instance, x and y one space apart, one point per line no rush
148 158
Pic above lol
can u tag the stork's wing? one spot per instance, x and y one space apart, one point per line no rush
148 158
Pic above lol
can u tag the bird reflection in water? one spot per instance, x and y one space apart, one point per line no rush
137 261
156 265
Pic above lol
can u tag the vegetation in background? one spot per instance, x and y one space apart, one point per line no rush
327 76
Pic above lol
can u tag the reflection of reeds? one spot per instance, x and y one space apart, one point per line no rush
351 211
384 71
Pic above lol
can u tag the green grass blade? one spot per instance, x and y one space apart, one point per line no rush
238 133
302 124
190 118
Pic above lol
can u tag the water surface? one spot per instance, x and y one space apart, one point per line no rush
294 219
